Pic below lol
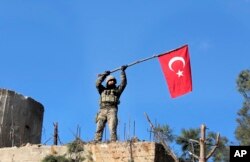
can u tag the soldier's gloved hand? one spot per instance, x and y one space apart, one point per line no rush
124 67
106 73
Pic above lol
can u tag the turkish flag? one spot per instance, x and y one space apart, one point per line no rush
177 71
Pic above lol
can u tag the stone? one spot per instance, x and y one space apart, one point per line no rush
103 152
21 119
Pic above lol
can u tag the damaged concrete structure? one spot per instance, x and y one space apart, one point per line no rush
103 152
21 119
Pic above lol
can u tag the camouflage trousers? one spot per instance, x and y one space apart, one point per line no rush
105 115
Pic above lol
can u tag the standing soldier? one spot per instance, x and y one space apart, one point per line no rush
109 100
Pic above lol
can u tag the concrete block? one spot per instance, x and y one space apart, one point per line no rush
21 119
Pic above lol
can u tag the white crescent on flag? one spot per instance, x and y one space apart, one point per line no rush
175 59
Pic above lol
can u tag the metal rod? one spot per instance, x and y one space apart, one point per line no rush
105 134
134 129
55 133
165 145
124 132
146 59
150 134
129 129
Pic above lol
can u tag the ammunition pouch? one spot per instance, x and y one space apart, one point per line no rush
107 105
109 98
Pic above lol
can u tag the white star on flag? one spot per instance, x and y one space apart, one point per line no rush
179 73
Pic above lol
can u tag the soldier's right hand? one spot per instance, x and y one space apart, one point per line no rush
124 67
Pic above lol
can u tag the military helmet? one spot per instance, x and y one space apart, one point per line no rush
110 77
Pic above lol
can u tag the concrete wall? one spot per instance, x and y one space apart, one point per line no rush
104 152
20 119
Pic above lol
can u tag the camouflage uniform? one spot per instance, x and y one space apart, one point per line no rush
109 100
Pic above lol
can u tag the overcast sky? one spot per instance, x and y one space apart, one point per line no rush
52 51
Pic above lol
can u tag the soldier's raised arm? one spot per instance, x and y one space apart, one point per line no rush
123 83
100 79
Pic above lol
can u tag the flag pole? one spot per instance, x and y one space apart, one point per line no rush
146 59
134 63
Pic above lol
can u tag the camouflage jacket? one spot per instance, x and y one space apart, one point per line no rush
110 96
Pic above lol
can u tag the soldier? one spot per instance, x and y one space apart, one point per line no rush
109 100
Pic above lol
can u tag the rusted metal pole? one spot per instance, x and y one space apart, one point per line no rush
55 133
164 144
124 132
134 129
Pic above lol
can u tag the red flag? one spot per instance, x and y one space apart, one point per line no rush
177 71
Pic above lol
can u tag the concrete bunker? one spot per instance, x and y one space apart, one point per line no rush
21 119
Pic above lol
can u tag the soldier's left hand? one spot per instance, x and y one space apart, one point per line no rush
124 67
106 73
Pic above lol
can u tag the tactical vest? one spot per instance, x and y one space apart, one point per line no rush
109 97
